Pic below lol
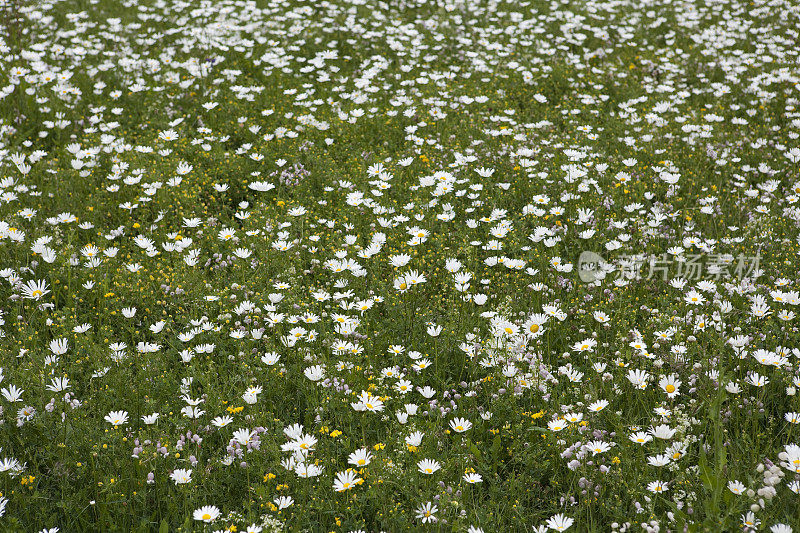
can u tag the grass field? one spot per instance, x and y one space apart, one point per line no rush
400 265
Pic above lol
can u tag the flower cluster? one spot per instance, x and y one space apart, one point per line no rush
286 265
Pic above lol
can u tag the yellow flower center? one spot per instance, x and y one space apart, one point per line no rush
670 388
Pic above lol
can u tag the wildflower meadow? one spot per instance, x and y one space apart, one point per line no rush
399 265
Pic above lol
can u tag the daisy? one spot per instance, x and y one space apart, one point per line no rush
426 512
346 480
168 135
207 513
559 522
586 345
640 437
473 478
428 466
659 460
305 442
638 378
360 457
282 502
598 406
399 260
460 425
367 402
117 418
749 520
670 384
222 421
693 297
791 458
662 432
597 447
181 476
736 486
243 436
35 290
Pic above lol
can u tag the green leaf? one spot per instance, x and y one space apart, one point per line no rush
496 446
705 471
475 451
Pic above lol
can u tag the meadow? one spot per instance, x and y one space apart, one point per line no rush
399 265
